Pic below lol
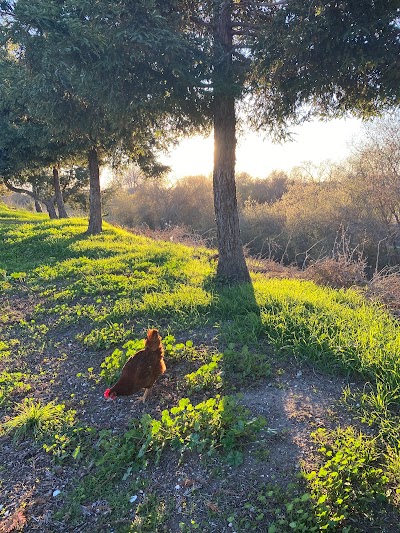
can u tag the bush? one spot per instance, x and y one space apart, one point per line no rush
262 229
338 273
385 288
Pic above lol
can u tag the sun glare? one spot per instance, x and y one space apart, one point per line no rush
191 157
315 141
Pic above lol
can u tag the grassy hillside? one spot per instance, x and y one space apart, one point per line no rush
75 307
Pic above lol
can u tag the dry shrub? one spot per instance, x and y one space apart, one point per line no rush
384 287
271 268
177 234
337 272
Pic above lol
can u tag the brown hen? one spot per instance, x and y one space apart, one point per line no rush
141 370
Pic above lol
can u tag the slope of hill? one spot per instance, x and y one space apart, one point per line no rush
279 410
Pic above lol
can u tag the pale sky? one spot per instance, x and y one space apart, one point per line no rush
314 141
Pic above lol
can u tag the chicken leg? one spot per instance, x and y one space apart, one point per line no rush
146 393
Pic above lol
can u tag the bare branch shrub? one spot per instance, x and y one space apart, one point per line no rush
384 287
271 268
344 269
177 234
336 272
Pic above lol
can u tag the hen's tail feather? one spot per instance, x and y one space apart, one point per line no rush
153 340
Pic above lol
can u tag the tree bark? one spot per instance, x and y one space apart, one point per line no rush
231 263
49 204
62 213
95 219
38 206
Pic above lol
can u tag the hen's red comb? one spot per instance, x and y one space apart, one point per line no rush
107 393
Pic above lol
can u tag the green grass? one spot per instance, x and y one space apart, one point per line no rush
331 327
103 292
334 328
120 278
37 418
12 214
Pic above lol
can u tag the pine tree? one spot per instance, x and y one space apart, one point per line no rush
285 61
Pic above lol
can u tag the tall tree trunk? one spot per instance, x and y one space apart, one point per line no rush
95 220
49 203
59 197
38 207
231 262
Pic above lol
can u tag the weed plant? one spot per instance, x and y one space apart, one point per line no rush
11 382
273 510
350 483
4 349
217 423
180 350
245 365
37 419
151 514
206 378
112 334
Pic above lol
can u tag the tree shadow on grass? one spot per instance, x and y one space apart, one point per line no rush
235 309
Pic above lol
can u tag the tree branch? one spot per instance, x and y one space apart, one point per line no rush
19 190
246 25
201 22
6 13
254 3
26 191
242 32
